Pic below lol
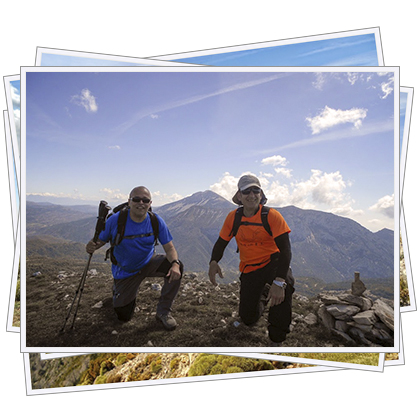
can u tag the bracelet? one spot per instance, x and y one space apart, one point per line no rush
176 261
279 283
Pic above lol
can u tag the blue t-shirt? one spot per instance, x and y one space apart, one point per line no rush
133 253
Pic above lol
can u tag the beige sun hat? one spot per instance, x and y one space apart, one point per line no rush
245 182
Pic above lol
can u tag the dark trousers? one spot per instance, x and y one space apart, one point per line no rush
251 304
126 289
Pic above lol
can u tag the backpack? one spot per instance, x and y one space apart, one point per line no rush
237 221
122 220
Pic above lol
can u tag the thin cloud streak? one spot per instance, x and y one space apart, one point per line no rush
373 128
223 57
338 45
238 86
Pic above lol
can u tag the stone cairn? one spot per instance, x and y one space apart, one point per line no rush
356 318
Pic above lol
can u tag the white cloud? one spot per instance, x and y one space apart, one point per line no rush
85 100
267 174
387 88
154 116
352 78
283 171
15 96
16 117
319 81
227 186
322 191
47 194
113 195
320 188
331 117
116 147
159 199
339 134
385 206
278 194
16 108
274 160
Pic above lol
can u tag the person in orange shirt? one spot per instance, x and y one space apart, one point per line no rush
265 255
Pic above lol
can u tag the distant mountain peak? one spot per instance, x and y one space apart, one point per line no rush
202 198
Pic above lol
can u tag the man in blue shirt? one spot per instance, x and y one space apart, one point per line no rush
135 259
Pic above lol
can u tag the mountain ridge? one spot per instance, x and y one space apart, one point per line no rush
324 245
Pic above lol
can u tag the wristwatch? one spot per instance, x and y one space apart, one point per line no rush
176 262
280 283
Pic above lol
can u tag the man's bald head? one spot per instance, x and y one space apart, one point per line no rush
140 191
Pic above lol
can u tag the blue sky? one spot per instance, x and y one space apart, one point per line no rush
316 139
356 50
89 60
15 94
403 108
67 60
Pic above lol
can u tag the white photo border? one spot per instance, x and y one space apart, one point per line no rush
395 70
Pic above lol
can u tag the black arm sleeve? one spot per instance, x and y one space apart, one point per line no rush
218 249
283 244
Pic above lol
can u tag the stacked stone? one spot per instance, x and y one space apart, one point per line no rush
356 318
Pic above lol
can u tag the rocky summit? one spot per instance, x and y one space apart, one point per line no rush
356 318
207 315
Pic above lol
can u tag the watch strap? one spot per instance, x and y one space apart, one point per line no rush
280 283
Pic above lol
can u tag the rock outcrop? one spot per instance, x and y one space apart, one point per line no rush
356 318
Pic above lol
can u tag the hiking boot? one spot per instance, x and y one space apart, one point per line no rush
167 320
272 343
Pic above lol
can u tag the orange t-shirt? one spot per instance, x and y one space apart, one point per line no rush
254 242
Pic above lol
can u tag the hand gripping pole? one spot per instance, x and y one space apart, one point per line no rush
100 226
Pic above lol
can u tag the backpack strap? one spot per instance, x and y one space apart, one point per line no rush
155 225
264 218
237 221
121 223
122 220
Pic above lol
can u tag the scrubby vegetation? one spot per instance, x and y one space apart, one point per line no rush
212 364
106 368
16 311
370 359
404 293
392 356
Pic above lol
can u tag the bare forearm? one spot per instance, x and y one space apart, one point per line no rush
170 251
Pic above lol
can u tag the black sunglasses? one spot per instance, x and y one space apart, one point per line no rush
138 199
255 190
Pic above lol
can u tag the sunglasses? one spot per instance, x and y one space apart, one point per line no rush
138 199
255 190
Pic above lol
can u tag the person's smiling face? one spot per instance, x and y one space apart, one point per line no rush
138 203
250 198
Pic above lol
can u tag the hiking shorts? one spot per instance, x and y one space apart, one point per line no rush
125 290
251 304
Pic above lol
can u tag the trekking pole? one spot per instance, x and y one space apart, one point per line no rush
100 226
